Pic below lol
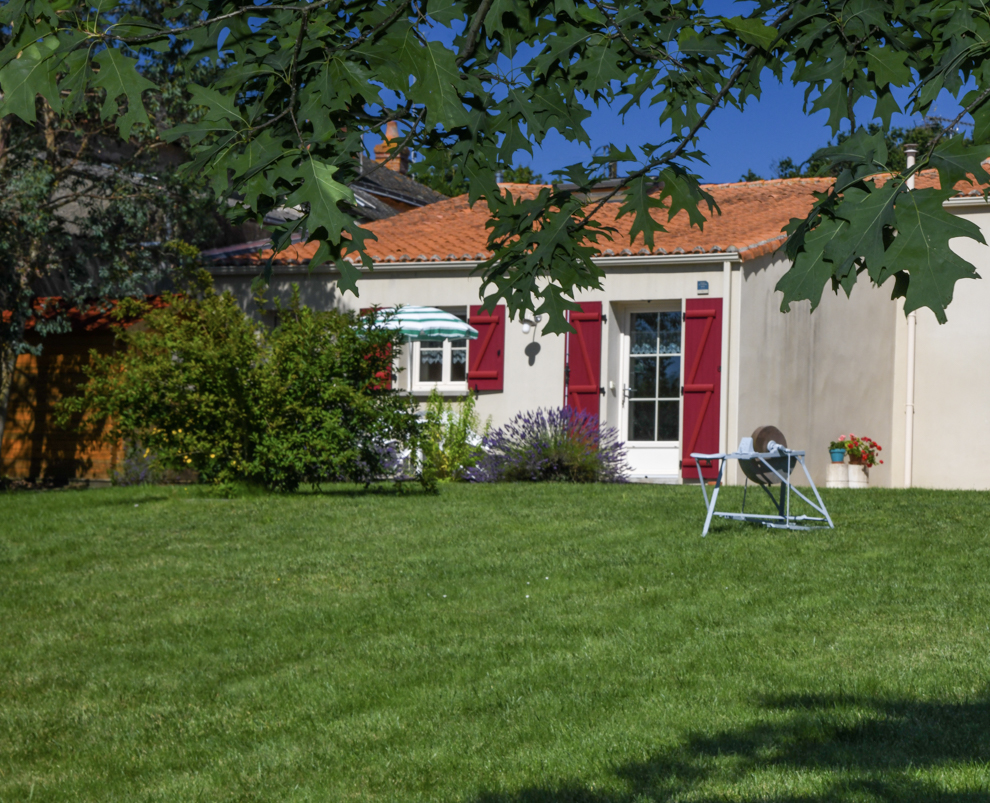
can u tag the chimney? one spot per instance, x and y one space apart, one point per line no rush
399 163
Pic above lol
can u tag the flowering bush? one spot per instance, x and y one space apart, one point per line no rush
865 451
556 445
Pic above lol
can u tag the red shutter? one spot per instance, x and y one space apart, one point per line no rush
486 357
583 359
702 383
383 377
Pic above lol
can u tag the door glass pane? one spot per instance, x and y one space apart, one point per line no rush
669 332
642 420
667 420
644 333
643 377
654 376
669 382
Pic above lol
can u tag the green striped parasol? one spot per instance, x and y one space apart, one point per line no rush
426 323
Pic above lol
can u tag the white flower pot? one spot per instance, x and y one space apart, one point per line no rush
859 476
837 476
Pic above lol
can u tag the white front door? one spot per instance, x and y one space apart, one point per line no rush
651 390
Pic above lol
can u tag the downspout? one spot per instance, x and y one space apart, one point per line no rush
726 345
911 152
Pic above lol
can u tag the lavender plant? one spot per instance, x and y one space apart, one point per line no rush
563 445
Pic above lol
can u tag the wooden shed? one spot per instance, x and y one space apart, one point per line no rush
34 447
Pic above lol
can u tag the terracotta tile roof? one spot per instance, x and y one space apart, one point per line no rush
97 317
753 214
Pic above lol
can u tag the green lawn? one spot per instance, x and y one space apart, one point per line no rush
510 644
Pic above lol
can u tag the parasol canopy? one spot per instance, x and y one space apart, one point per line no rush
426 323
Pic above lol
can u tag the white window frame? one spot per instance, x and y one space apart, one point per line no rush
445 385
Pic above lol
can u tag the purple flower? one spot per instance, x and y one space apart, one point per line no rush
563 445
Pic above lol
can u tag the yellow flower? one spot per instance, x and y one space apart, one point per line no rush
212 456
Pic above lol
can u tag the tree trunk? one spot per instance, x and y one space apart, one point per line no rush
8 359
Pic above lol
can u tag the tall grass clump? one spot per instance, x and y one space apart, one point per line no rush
557 445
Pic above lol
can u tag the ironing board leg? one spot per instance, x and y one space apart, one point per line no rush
711 508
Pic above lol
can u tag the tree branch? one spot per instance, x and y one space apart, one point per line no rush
379 27
294 85
151 37
397 150
471 37
982 96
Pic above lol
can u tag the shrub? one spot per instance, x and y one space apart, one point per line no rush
327 414
449 438
205 389
564 444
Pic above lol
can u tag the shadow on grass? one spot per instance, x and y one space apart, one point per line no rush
860 749
152 495
406 489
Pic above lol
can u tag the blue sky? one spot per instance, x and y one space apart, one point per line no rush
766 131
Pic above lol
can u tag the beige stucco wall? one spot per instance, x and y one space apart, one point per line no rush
952 380
815 375
534 362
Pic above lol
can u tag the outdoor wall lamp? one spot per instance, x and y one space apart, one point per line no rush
527 325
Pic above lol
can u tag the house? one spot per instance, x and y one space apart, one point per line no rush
685 348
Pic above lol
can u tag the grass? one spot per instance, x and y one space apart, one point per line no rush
498 644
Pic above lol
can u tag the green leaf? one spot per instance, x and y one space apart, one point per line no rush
196 132
24 78
437 79
921 248
811 270
12 11
861 148
888 66
444 12
601 66
685 194
640 201
867 211
323 195
752 31
557 50
886 107
554 306
218 106
957 160
118 75
981 124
